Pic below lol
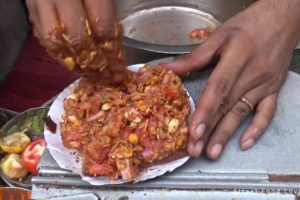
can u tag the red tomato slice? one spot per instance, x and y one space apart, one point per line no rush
170 92
31 155
101 169
102 155
72 136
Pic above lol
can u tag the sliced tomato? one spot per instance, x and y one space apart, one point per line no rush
101 169
73 136
102 155
126 132
145 140
32 154
171 92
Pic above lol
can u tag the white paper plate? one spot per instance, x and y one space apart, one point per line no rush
70 159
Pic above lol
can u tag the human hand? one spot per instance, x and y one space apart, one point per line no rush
83 35
253 50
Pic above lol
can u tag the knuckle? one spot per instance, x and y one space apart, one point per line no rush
263 69
238 34
225 105
102 31
267 114
240 112
219 86
75 39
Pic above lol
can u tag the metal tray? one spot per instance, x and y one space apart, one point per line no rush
275 170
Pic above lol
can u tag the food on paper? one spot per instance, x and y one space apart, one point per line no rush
120 130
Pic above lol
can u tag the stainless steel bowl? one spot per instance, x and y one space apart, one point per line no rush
154 28
16 124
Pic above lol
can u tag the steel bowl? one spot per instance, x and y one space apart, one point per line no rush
158 28
15 124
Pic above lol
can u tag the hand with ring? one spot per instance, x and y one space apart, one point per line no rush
253 50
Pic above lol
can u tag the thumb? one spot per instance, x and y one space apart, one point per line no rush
197 59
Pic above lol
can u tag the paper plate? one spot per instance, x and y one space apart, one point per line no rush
71 160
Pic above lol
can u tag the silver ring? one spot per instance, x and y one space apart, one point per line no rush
247 102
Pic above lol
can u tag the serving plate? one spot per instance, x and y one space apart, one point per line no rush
70 159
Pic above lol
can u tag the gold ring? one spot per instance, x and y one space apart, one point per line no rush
247 102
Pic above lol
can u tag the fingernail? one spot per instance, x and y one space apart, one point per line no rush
247 144
196 149
216 151
199 131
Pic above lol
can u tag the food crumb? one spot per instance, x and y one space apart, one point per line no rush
132 30
51 126
124 198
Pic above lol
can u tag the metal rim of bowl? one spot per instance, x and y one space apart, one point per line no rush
165 49
7 126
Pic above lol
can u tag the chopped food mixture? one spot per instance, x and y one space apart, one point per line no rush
93 56
121 129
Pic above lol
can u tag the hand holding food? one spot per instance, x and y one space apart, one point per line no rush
82 35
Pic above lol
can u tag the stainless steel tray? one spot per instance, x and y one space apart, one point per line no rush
272 165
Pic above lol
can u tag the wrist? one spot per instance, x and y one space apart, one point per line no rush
288 16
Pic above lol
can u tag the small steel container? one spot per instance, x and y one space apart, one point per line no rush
159 28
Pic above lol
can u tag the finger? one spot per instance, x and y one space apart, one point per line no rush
213 102
197 59
194 149
202 136
47 17
263 116
72 14
33 17
102 16
255 74
227 127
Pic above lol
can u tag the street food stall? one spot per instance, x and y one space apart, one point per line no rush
269 170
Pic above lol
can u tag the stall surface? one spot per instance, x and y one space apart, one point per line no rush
271 165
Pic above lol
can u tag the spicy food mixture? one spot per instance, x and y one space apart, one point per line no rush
121 129
93 56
